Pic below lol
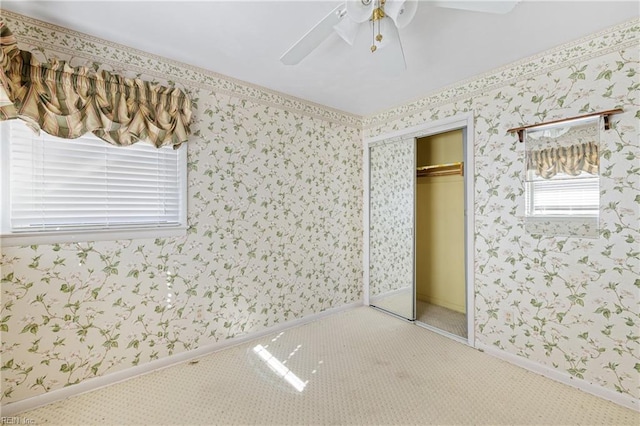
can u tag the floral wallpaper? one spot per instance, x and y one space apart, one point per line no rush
571 304
275 224
391 217
274 234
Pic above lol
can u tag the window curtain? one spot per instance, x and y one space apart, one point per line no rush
8 50
567 149
68 101
571 160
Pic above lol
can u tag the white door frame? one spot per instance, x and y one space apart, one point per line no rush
456 122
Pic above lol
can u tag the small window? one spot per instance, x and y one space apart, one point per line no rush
562 182
563 196
60 190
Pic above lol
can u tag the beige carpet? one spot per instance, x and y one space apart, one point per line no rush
360 367
399 302
442 318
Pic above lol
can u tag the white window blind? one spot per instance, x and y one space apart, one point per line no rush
563 196
88 184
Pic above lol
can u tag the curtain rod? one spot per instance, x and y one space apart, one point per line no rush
604 114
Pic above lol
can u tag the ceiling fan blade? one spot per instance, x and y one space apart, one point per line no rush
313 37
348 30
500 7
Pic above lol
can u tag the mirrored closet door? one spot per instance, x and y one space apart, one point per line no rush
391 226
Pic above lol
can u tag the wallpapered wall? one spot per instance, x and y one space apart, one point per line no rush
574 303
275 230
275 233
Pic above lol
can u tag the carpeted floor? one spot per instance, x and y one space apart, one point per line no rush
442 318
361 366
401 303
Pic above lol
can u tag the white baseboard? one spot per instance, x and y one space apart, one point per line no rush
562 377
88 385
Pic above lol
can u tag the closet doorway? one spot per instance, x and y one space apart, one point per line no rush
418 223
440 233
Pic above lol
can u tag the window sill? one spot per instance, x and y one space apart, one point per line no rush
568 226
70 236
567 218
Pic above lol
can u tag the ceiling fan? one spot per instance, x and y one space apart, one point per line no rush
384 17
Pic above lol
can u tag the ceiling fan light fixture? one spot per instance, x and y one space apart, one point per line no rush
360 10
401 12
387 17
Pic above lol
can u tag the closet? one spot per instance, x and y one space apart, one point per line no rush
417 236
439 244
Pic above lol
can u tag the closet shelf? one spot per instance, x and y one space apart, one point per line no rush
441 170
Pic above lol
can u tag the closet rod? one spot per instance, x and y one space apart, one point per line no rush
441 170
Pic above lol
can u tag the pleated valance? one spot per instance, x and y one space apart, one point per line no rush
8 50
571 160
68 101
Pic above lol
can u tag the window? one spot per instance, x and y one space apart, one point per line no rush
58 190
563 196
562 182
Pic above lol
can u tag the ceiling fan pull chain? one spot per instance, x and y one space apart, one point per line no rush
373 36
376 17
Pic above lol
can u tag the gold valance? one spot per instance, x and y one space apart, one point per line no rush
68 101
571 160
8 50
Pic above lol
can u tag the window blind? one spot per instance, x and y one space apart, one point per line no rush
560 197
85 183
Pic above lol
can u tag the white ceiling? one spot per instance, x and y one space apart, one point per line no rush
245 39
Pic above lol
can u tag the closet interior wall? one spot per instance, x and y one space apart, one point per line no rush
440 272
